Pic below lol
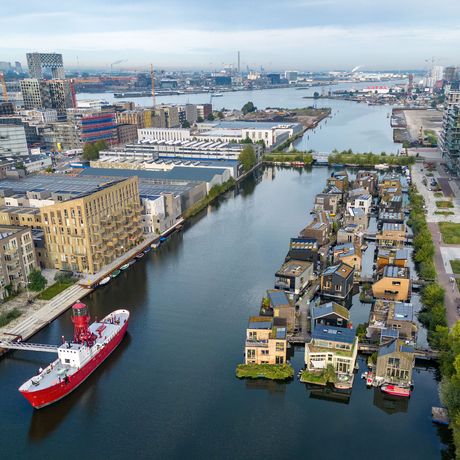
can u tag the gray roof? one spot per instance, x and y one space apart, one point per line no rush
328 309
403 311
177 173
335 334
278 298
260 324
392 271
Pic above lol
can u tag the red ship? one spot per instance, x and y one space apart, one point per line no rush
78 359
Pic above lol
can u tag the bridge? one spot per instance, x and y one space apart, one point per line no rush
14 345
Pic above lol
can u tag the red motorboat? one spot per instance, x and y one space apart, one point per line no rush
78 359
395 390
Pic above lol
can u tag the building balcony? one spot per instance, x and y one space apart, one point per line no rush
257 343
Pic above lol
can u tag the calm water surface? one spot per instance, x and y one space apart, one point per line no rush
360 127
169 390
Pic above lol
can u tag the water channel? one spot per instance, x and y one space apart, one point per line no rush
169 391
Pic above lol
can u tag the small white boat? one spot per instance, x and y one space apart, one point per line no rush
124 267
104 281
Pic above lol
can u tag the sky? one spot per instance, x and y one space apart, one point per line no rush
206 34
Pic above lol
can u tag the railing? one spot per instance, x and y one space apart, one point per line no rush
257 343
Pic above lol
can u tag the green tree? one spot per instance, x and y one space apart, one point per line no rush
248 158
185 124
37 282
248 107
210 117
316 95
91 149
220 115
200 119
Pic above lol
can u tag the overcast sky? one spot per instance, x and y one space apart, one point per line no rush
277 34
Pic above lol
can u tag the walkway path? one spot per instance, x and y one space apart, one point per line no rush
452 297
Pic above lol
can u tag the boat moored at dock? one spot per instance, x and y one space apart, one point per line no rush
78 359
395 390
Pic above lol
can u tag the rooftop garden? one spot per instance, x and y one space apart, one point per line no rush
321 377
265 371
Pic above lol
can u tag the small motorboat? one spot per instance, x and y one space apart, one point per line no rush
140 255
104 281
395 390
155 245
369 379
115 273
147 250
124 266
163 238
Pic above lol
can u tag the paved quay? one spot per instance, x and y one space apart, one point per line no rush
35 320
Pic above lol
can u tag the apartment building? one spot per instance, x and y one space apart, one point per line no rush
394 284
294 276
13 141
17 259
392 236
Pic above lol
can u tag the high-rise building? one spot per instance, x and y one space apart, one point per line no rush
165 116
291 76
47 94
451 73
449 140
37 62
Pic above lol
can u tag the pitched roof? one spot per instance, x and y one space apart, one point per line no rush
330 308
334 334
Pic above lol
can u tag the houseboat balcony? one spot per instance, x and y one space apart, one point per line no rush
257 343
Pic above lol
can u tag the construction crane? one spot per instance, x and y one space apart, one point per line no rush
3 84
152 76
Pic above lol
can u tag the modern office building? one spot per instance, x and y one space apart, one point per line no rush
13 141
38 62
17 259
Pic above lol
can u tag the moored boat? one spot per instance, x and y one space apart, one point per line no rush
369 379
115 273
140 255
124 266
104 281
147 250
78 359
395 390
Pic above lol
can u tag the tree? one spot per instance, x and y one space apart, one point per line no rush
37 282
248 107
220 115
185 124
316 95
210 117
200 119
91 149
248 158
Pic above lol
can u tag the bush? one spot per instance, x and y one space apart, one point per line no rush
7 317
265 371
368 159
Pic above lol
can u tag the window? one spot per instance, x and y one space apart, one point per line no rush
279 360
251 353
279 346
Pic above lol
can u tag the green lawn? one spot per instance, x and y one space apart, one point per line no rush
54 290
445 213
444 204
9 316
439 194
455 264
318 378
450 232
265 371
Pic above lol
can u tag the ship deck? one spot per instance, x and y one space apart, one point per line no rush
56 371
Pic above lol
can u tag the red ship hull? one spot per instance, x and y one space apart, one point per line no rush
50 395
396 391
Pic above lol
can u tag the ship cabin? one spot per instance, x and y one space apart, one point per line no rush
73 354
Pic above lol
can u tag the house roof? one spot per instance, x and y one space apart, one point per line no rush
278 298
392 271
402 254
334 334
294 267
303 243
393 227
260 322
328 309
403 311
341 269
343 247
355 212
395 346
391 216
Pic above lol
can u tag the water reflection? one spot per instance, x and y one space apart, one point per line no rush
328 393
270 386
389 404
45 421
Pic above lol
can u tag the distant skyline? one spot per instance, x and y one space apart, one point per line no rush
288 34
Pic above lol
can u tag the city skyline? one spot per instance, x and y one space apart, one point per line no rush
311 34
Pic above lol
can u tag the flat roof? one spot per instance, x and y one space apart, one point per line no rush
293 267
177 173
392 271
278 298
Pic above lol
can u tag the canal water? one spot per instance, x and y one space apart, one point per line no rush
170 392
353 125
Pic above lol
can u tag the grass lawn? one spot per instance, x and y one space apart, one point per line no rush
444 204
318 378
265 371
457 280
455 264
9 316
53 290
445 213
450 232
439 194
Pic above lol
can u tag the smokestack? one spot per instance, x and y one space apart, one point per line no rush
239 69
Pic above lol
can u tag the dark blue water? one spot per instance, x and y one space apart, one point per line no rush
169 390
